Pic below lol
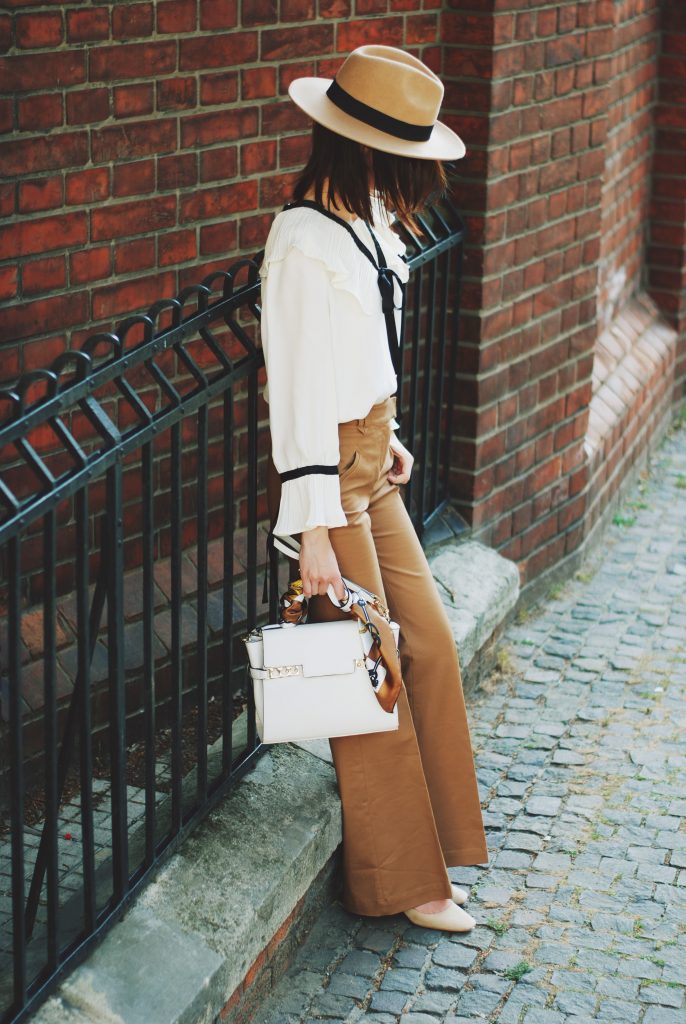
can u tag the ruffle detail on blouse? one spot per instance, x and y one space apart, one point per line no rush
309 501
320 238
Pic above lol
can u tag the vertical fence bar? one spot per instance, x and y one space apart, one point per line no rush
227 586
414 382
426 390
401 347
83 661
50 719
114 555
148 663
201 653
252 532
176 608
438 465
454 341
16 772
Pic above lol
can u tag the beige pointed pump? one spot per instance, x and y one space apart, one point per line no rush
454 919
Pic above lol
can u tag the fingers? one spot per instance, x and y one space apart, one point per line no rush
339 589
401 470
320 585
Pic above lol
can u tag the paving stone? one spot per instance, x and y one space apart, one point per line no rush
639 968
410 956
550 953
575 1003
401 979
437 1003
379 940
520 998
663 1015
490 982
538 880
512 859
451 954
664 995
348 985
568 757
359 961
539 1016
447 979
419 1018
500 960
617 988
477 1004
552 862
618 1009
392 1002
543 805
333 1006
575 981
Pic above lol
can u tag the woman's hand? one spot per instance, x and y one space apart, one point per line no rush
318 564
402 465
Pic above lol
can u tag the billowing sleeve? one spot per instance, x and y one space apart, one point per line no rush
301 391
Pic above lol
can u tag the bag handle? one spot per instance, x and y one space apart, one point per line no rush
368 609
291 547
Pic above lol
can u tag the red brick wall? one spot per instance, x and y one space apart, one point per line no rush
160 155
171 141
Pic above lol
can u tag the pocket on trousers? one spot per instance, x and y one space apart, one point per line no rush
349 468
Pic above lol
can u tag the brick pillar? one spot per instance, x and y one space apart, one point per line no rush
527 89
666 255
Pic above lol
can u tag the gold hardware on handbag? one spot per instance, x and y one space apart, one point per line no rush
323 679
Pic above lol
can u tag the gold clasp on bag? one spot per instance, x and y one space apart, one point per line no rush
284 670
278 671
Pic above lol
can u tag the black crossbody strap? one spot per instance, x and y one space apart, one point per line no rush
385 279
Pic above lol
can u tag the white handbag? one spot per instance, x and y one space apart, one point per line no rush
315 680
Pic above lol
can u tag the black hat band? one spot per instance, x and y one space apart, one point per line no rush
375 118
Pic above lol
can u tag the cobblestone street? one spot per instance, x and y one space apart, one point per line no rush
579 738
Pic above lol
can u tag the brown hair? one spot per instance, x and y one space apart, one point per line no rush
405 184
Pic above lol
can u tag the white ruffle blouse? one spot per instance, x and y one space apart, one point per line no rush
325 348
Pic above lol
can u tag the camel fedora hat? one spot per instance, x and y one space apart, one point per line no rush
384 98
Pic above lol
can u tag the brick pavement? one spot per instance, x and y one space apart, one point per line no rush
580 749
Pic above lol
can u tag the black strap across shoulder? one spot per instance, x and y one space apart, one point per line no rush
385 277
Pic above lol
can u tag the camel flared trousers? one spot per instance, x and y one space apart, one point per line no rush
409 798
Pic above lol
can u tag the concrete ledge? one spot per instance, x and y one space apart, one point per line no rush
479 589
208 938
189 940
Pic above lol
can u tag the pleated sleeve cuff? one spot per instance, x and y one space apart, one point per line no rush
309 501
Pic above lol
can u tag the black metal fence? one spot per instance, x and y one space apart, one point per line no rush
132 516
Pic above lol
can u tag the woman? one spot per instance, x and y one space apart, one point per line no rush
409 797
